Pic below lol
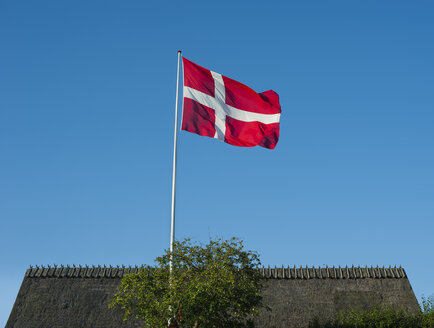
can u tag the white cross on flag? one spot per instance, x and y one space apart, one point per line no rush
219 107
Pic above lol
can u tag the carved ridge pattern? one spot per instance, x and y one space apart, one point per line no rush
111 272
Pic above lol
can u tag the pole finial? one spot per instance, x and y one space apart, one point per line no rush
179 51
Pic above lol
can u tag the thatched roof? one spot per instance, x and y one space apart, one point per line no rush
66 297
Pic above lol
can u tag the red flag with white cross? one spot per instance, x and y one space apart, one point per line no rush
219 107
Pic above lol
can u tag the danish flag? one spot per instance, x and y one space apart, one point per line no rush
219 107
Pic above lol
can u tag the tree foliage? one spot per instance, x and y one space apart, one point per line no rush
383 318
212 285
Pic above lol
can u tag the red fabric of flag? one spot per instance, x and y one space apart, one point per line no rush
218 107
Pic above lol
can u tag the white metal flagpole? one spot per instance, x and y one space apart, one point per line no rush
175 144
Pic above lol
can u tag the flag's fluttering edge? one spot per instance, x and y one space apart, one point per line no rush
219 107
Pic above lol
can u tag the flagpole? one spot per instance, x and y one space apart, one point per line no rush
175 144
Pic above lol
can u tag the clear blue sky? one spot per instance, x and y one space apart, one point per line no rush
87 94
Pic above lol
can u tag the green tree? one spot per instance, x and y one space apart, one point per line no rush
428 311
212 285
382 317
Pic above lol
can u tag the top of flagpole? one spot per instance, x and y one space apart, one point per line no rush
179 51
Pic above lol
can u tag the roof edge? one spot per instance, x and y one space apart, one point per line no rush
269 273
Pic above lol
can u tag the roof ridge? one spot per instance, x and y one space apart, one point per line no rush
303 273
